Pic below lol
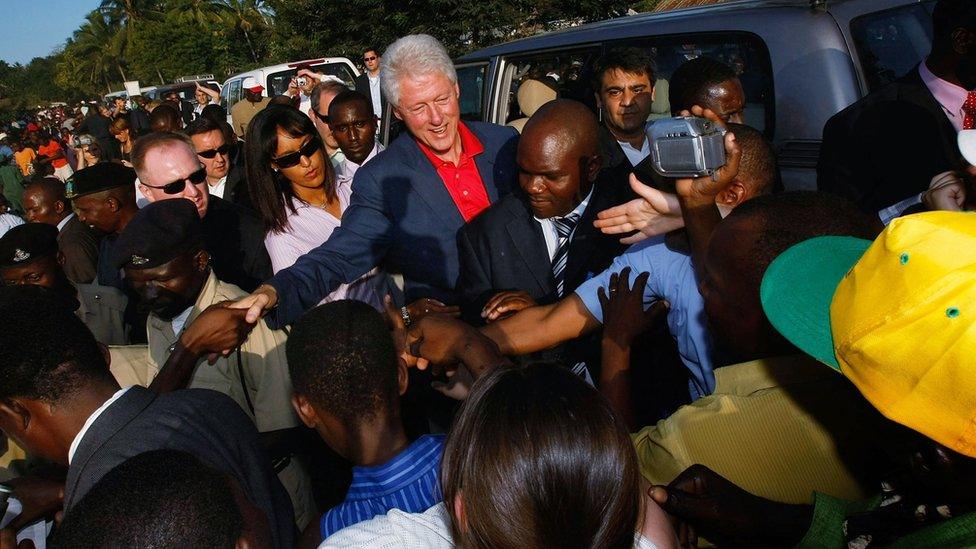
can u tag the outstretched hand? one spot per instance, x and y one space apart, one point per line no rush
218 330
703 190
654 213
624 317
506 303
261 300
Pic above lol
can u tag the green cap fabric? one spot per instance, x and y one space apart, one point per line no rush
799 286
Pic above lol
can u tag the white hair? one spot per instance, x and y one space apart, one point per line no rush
413 55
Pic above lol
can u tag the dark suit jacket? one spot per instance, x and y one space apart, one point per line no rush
234 236
79 244
400 217
619 167
504 249
887 146
362 86
204 423
235 188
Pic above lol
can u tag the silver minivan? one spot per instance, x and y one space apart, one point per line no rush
800 62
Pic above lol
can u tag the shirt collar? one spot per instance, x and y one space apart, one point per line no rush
399 472
91 419
949 95
65 221
580 208
470 146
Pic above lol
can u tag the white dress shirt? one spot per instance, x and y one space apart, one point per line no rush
218 189
549 228
375 93
346 169
91 419
65 221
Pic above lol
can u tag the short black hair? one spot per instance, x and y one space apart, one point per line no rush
790 217
627 59
342 358
758 166
690 82
53 187
202 124
161 498
950 15
46 352
350 96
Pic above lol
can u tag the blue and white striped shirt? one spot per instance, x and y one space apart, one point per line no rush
409 482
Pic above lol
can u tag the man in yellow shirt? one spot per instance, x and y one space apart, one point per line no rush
23 156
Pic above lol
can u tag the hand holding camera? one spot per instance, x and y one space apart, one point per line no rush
701 182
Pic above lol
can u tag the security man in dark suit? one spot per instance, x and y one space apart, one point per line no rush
536 246
409 202
45 202
888 146
367 84
61 403
29 255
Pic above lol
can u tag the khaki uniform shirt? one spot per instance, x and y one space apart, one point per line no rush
103 311
243 111
780 428
262 360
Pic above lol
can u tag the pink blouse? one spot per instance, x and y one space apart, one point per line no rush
308 228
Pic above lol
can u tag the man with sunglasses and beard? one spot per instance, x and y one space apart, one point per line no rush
166 261
224 179
169 167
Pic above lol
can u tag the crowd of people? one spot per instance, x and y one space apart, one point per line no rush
273 331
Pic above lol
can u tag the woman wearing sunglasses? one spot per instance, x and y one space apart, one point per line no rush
294 191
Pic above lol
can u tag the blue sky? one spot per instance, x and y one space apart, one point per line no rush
33 28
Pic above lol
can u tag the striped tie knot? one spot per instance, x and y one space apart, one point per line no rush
565 225
969 112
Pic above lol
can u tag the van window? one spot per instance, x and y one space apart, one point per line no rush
541 77
278 82
745 53
233 94
892 42
471 81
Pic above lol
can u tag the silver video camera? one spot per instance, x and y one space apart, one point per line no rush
686 146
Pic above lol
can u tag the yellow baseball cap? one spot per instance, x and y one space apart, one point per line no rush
896 316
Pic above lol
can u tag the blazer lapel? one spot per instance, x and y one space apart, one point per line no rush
587 237
915 91
129 406
430 187
528 240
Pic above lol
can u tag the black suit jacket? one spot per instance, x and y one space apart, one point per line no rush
504 249
362 86
887 146
235 188
234 236
79 244
201 422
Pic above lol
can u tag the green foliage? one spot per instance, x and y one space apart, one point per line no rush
154 41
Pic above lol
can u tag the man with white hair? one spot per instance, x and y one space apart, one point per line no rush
409 202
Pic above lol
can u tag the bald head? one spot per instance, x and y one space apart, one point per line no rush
558 157
564 120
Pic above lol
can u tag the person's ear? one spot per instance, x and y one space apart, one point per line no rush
202 259
60 258
733 195
105 353
403 377
396 112
962 40
59 206
146 192
594 167
305 411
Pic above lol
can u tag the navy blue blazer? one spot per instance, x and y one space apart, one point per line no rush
400 218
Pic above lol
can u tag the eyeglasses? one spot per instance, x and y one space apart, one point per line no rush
176 187
210 153
293 158
322 117
369 58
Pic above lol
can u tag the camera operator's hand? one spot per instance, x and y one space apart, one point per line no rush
311 79
40 498
703 190
293 88
655 213
947 192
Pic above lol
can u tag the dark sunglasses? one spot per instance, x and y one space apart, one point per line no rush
369 58
176 187
293 158
210 153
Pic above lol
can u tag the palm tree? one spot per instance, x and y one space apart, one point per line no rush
245 16
98 47
200 12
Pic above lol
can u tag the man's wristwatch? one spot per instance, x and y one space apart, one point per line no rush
405 315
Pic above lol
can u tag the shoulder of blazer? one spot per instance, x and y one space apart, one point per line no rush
496 216
491 135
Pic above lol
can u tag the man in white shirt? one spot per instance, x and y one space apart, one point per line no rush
368 83
353 124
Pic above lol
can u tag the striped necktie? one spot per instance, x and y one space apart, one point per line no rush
564 228
969 112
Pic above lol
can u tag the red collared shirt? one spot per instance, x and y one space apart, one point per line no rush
463 181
